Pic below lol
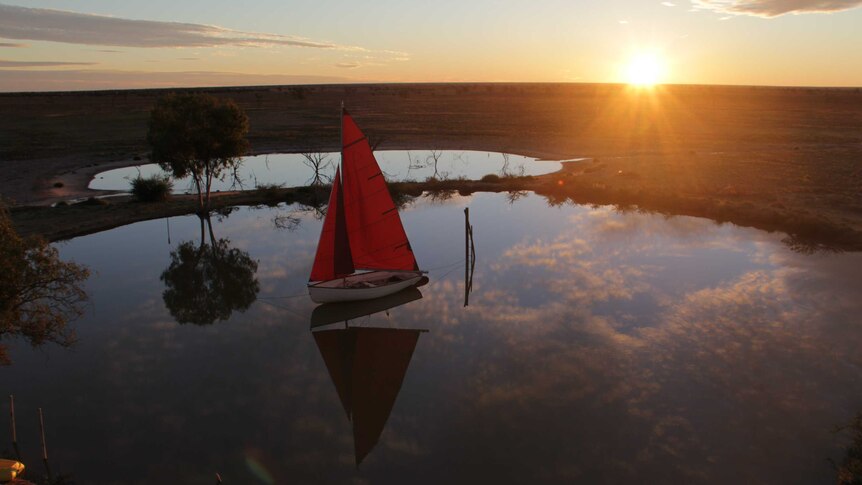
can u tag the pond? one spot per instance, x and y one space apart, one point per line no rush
597 346
297 169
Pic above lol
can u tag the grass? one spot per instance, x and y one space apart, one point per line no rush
156 188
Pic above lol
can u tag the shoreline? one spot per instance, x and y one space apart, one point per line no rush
806 233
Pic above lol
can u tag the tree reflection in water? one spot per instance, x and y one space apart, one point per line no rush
209 282
39 293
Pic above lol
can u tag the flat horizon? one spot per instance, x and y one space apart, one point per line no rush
76 45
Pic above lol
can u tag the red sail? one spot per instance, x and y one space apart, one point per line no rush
377 238
333 259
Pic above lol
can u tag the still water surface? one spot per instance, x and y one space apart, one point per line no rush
296 169
597 346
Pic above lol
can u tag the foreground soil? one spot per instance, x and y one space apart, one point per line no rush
785 159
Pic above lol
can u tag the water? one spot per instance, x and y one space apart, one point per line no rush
295 169
597 346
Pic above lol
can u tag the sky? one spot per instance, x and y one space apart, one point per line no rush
107 44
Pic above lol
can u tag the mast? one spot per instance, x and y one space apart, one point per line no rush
341 133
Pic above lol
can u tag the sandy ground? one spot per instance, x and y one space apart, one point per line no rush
769 154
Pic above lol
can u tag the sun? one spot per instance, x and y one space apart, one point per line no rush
645 70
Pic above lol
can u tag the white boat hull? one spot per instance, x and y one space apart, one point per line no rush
363 286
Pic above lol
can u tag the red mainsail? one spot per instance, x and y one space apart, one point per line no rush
333 258
377 238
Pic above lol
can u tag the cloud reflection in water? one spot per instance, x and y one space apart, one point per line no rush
598 346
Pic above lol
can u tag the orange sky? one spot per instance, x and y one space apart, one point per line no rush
78 44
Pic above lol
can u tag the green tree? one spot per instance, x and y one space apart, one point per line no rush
39 293
197 135
209 282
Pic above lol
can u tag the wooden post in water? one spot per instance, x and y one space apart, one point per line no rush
12 416
14 426
466 254
44 445
469 256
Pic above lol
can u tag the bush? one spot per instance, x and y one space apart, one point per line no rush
152 189
491 178
272 193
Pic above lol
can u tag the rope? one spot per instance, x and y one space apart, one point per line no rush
446 265
282 297
291 310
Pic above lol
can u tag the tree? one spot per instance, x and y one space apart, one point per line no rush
39 293
197 135
209 282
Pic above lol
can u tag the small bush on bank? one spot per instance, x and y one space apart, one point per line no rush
271 193
156 188
491 178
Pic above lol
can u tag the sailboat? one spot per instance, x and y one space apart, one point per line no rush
363 252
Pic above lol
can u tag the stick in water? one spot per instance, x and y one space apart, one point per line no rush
12 415
44 445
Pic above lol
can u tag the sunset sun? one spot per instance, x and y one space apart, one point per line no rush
645 70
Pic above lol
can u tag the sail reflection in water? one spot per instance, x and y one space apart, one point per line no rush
367 365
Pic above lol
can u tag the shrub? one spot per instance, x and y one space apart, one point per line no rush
492 178
271 192
156 188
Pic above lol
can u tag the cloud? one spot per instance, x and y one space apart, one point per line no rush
774 8
11 64
12 44
668 4
88 29
13 80
347 65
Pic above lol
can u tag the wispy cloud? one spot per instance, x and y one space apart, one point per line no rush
774 8
347 65
78 79
7 64
11 44
668 4
88 29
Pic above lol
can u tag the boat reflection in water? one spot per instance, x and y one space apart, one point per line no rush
367 365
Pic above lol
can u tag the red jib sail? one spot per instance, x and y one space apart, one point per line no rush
333 258
367 366
377 238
